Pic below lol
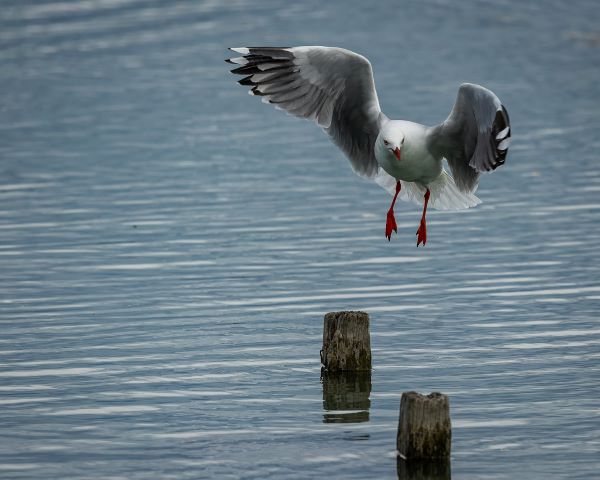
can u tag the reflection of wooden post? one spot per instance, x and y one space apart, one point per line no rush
346 342
424 430
346 397
423 469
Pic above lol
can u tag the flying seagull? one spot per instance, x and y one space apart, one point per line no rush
334 87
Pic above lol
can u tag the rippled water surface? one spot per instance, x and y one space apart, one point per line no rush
168 246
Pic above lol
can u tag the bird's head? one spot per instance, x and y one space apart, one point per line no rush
393 139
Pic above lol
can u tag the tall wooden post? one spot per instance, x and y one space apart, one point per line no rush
346 342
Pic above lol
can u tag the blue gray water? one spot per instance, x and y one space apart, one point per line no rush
169 245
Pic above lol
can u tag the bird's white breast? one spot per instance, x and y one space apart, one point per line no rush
416 163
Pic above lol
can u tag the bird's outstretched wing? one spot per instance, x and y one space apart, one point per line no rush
475 137
332 86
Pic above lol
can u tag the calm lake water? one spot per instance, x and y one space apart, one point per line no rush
169 245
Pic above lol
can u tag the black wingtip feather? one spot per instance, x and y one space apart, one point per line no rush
501 122
257 92
246 70
247 81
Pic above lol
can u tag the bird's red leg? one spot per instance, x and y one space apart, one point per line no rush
390 223
422 231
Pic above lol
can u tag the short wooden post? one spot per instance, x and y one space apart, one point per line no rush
424 429
346 342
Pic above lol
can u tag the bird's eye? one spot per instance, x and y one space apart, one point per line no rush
386 142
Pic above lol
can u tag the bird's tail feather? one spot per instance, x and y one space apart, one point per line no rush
445 195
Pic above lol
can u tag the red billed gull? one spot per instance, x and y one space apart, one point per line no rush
334 87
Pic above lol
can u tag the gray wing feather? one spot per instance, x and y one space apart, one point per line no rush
331 86
475 136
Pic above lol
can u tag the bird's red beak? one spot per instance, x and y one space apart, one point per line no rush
397 153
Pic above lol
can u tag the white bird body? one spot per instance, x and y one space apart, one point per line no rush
335 88
417 164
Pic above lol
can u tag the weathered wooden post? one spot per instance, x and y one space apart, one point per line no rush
424 429
346 342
